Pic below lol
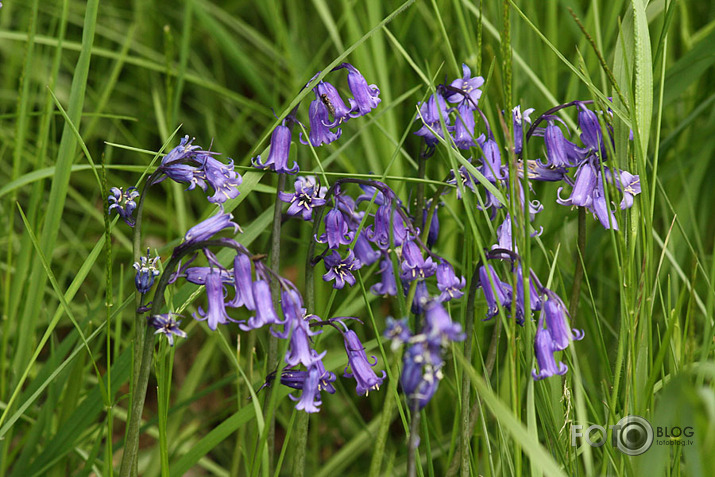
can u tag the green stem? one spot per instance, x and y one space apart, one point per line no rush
413 441
578 271
466 385
272 360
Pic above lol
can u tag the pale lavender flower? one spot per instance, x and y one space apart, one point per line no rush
413 264
243 281
361 368
339 269
208 228
330 97
557 322
320 133
518 119
447 282
279 153
215 313
336 230
469 89
544 352
387 285
365 97
308 195
265 313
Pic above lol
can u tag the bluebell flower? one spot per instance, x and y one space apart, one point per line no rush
469 89
360 366
537 171
556 316
310 398
464 127
430 113
197 275
364 252
421 297
308 195
167 326
591 133
265 313
496 292
388 222
447 282
466 178
330 97
279 153
339 269
413 264
544 351
439 327
319 133
518 119
629 184
421 372
297 330
561 152
221 177
215 313
123 202
505 238
588 192
188 163
365 97
147 271
295 379
243 281
398 331
336 230
387 284
492 159
208 228
534 297
184 151
369 192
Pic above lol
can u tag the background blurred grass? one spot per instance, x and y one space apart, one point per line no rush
221 70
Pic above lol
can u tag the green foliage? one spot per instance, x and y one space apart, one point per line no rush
110 84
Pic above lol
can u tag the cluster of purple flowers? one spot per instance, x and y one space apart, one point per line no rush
247 285
375 228
562 157
358 238
326 113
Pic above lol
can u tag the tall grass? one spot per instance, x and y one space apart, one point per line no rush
93 88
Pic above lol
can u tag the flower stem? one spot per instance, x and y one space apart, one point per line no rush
414 439
272 360
464 421
578 271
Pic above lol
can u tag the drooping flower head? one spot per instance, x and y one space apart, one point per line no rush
365 97
207 229
215 313
361 368
279 153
